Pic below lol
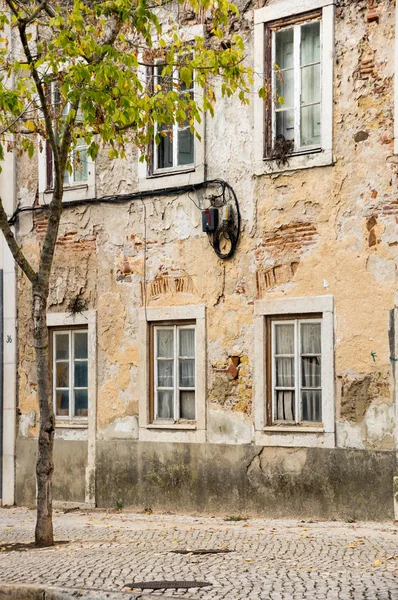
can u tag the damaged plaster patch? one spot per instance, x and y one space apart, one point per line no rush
349 435
380 426
68 281
25 421
380 268
356 399
70 434
358 395
229 428
121 428
274 463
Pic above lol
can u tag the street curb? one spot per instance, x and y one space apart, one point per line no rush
39 592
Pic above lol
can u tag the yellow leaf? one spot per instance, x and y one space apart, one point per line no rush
377 563
30 125
356 543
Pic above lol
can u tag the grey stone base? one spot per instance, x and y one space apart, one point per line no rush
70 459
222 479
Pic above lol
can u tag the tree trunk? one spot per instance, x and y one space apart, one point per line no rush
45 465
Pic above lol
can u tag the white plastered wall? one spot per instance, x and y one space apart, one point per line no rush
7 194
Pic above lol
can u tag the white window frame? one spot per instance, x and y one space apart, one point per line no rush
162 429
87 318
176 358
306 157
73 190
297 73
61 322
297 365
175 130
297 434
71 333
185 174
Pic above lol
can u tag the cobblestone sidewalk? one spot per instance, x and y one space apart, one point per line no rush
269 560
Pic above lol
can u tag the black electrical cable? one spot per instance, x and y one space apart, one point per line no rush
231 229
119 199
227 232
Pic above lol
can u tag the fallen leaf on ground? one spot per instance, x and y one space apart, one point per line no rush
356 543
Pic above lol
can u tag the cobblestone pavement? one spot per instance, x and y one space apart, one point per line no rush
269 560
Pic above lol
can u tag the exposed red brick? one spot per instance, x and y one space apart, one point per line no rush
292 236
372 14
371 222
372 241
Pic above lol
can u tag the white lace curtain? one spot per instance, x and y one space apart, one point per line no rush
310 365
165 372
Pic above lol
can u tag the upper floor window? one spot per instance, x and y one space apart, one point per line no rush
177 151
78 157
294 110
176 143
294 59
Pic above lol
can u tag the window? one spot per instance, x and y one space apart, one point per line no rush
176 147
174 372
79 184
180 155
294 59
79 159
294 371
172 380
294 107
296 383
70 372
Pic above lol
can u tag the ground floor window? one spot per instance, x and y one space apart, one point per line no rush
174 373
70 372
296 374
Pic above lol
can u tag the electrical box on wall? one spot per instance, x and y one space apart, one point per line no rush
209 219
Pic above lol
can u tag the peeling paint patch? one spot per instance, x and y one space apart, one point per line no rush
25 421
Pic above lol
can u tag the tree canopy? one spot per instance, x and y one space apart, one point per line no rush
73 70
100 56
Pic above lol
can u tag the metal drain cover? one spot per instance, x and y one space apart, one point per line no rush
166 585
203 551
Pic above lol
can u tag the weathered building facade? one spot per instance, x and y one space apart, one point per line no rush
264 383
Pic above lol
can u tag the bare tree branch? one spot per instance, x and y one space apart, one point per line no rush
40 90
36 13
16 251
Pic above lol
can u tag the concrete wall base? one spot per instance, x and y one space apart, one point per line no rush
320 483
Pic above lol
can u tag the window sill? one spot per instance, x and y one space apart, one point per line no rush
293 429
67 188
191 176
71 425
71 193
171 172
180 426
300 160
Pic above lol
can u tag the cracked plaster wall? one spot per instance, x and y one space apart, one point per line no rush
305 233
